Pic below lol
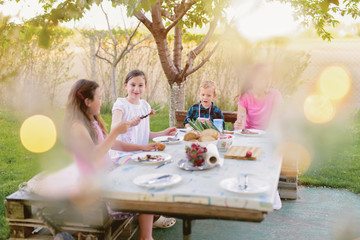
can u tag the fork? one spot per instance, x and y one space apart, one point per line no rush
157 107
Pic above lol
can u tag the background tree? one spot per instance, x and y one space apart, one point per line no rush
113 46
44 69
8 48
177 16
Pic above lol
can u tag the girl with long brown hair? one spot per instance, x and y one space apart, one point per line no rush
88 139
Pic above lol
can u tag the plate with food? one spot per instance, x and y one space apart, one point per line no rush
151 157
168 139
250 132
157 180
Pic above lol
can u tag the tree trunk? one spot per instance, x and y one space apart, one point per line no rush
177 101
178 47
113 83
92 58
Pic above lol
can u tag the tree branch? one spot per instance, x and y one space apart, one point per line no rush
106 51
206 39
184 7
142 18
166 14
195 52
97 53
157 19
207 58
108 25
126 49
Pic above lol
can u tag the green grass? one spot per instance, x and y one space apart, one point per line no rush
336 165
336 162
16 164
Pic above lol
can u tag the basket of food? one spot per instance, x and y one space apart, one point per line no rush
203 133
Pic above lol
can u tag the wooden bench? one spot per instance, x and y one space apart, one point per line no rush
289 171
22 212
181 115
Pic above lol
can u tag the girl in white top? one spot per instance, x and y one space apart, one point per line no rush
131 107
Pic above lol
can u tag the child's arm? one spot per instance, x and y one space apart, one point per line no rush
82 144
116 117
131 147
167 132
125 146
241 118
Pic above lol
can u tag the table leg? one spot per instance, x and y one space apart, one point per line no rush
187 224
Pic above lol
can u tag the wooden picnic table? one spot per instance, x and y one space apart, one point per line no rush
198 195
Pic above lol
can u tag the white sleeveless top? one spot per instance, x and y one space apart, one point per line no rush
139 134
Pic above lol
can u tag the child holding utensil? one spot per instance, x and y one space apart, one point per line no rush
124 109
257 103
89 142
205 108
137 138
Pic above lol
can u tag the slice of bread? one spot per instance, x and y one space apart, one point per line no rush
191 135
210 132
207 138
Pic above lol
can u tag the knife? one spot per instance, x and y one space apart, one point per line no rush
159 166
158 179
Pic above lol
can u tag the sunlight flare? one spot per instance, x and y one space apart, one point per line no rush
38 133
318 109
335 82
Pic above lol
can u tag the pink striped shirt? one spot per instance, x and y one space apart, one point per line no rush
258 111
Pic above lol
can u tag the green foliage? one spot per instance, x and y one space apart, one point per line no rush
8 49
46 68
44 38
322 13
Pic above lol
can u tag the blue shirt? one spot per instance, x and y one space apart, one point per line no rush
193 113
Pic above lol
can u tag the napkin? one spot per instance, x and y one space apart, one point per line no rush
212 157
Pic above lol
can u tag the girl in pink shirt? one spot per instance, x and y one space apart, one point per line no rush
88 139
257 105
257 102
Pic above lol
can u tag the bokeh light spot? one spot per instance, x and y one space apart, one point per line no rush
295 158
318 109
38 133
334 82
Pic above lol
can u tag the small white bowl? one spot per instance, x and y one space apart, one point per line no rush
225 142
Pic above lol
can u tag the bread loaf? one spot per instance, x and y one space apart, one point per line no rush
210 132
191 135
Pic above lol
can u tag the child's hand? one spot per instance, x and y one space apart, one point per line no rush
170 131
122 127
135 121
239 125
149 147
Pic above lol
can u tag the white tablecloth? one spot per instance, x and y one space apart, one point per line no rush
201 187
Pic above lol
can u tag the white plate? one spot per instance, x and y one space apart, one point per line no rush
256 185
165 157
152 181
259 133
188 166
165 139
